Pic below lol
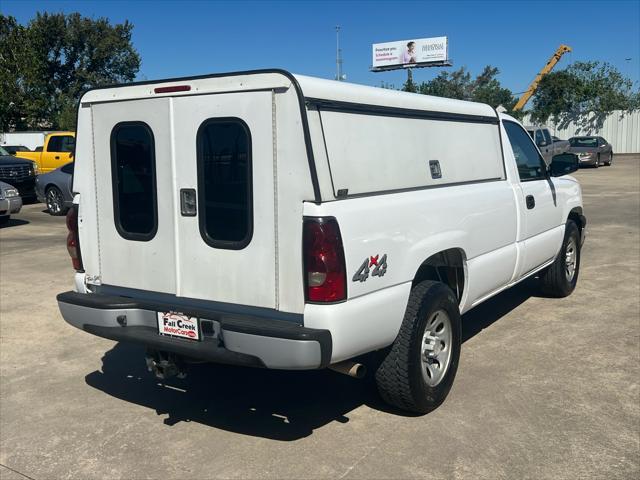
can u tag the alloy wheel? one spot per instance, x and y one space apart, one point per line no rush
54 200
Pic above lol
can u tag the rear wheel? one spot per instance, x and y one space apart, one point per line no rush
55 201
419 370
560 279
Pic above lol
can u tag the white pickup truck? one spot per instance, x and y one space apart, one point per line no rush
271 220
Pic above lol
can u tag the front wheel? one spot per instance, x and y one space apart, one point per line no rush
419 370
560 278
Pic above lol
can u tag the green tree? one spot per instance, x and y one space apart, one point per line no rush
460 85
11 54
456 84
410 85
584 93
47 64
487 89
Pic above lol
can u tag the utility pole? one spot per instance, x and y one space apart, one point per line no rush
339 75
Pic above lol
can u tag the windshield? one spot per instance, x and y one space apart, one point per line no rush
3 151
584 142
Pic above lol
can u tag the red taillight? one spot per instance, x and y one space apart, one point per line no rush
174 88
325 273
73 244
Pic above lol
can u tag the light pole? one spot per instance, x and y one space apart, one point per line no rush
339 75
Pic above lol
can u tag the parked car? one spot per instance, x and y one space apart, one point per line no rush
18 172
57 151
544 140
10 202
12 149
591 150
54 189
314 221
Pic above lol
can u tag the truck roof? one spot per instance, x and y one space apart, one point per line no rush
533 127
309 87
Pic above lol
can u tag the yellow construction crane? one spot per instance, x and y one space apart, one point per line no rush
555 58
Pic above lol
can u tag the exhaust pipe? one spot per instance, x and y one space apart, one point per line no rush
353 369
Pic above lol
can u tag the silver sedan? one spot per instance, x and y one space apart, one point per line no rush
591 150
10 202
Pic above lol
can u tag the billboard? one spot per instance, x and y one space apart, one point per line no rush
408 53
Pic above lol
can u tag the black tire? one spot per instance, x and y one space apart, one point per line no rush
55 201
399 377
597 162
5 219
555 281
608 164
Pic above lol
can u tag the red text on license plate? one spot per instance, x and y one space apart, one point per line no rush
178 325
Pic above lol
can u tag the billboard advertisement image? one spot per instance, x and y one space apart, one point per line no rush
407 53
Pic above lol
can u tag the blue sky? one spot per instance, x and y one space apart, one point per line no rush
178 38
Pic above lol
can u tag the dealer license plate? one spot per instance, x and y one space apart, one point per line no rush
178 325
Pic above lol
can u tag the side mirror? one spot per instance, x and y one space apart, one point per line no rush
563 164
542 144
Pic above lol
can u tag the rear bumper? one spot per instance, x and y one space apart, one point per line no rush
238 339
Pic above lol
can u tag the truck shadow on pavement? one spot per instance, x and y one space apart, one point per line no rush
279 405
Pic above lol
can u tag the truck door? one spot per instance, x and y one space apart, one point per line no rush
224 198
550 149
57 152
135 202
545 148
542 228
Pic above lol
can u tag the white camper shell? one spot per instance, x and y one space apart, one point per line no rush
290 222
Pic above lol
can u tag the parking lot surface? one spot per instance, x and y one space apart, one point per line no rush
546 388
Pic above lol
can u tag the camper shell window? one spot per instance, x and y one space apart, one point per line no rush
133 170
225 201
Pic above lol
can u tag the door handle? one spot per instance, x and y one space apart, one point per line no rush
57 157
531 202
188 202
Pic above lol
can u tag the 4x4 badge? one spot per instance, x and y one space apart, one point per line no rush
379 268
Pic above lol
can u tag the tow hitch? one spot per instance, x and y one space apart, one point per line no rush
165 365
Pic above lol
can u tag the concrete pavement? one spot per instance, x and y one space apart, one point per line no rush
546 388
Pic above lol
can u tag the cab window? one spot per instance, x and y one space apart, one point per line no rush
530 164
547 136
61 144
539 137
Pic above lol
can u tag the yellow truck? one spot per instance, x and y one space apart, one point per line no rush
57 150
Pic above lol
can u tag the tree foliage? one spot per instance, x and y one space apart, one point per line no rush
584 93
45 66
459 84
